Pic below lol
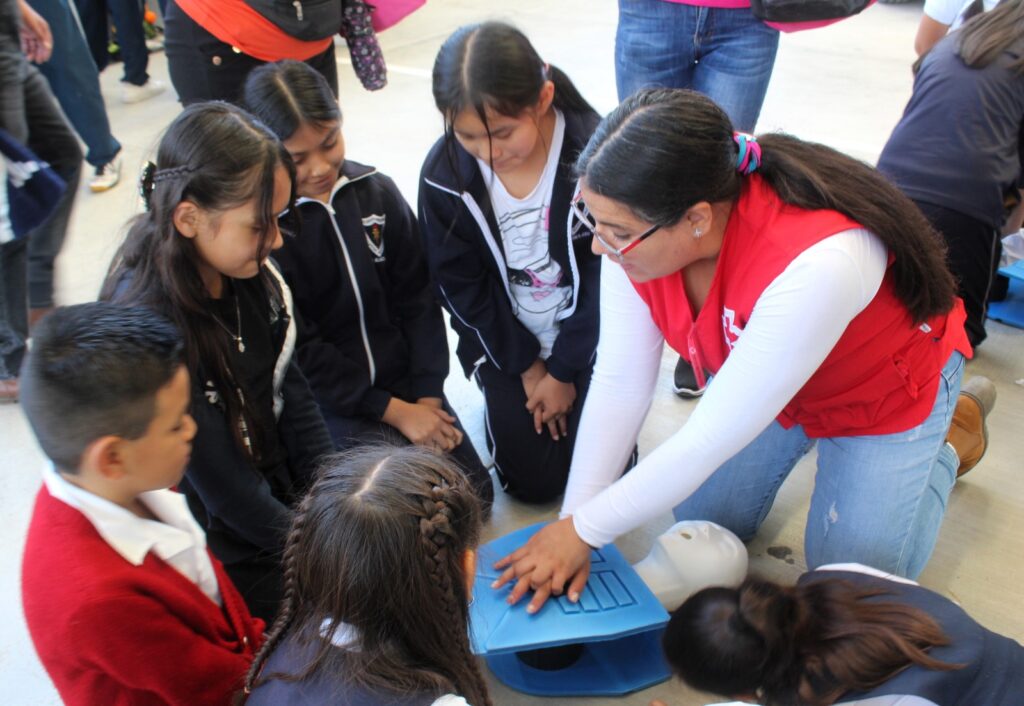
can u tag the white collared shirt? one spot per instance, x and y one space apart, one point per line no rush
177 538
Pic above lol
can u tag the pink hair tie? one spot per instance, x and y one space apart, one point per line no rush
748 159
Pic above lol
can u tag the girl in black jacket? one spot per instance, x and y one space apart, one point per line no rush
371 340
198 255
511 264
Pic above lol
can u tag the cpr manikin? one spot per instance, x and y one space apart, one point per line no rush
691 556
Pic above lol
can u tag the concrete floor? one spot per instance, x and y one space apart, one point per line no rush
844 85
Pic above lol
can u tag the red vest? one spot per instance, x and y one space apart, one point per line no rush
883 373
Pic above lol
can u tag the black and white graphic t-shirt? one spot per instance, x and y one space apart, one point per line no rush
535 280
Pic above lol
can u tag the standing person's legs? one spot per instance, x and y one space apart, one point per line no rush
202 67
74 80
654 45
973 250
880 500
131 39
327 65
740 493
13 309
735 58
95 24
530 466
51 139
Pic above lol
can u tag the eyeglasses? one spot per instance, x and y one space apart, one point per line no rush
579 207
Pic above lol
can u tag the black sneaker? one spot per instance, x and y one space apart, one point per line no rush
684 382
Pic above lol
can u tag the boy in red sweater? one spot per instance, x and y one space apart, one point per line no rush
123 600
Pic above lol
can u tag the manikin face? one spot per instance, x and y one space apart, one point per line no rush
692 556
318 152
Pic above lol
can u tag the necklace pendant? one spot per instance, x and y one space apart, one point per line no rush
241 345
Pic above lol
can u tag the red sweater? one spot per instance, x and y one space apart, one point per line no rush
112 633
883 373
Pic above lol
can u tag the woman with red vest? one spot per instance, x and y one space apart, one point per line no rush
817 296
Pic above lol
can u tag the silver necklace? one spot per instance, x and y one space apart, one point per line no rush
238 317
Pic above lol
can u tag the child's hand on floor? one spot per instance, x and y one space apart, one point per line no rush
423 424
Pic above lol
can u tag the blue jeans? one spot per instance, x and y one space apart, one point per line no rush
725 53
877 500
127 15
75 81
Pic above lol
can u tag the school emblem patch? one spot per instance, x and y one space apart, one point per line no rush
373 226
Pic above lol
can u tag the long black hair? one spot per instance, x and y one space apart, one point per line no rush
493 65
807 644
217 156
285 94
663 150
378 545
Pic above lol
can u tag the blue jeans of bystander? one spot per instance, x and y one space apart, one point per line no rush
725 53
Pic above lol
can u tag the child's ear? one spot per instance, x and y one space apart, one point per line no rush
547 97
186 218
105 457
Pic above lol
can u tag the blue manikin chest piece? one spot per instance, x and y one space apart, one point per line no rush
615 627
1011 310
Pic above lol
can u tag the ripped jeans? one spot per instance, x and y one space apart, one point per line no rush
877 500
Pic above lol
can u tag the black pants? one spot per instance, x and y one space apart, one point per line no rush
347 432
974 249
203 68
29 112
530 466
260 580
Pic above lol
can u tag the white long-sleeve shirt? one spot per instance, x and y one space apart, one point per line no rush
794 325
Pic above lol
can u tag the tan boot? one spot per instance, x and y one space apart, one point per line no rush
968 433
8 390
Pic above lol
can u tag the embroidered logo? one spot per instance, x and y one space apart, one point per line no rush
373 226
729 328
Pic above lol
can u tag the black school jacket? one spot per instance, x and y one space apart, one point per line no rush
370 327
467 262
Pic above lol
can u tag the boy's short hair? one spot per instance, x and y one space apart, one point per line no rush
94 370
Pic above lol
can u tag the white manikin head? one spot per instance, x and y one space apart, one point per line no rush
691 556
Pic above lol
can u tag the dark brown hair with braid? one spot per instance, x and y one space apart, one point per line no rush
807 644
376 552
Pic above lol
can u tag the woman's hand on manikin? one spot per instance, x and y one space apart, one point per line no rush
554 561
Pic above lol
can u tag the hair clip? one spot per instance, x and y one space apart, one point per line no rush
146 182
749 157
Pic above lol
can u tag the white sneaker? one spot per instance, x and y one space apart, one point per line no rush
106 176
130 93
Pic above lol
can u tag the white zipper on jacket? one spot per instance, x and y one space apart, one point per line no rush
351 270
492 245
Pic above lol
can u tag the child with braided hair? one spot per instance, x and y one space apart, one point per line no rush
845 634
379 565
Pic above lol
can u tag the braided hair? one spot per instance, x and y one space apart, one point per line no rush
808 644
376 550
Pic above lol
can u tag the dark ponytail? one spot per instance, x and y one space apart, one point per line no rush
808 644
494 65
664 150
286 94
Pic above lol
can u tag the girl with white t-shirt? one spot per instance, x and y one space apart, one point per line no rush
509 260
